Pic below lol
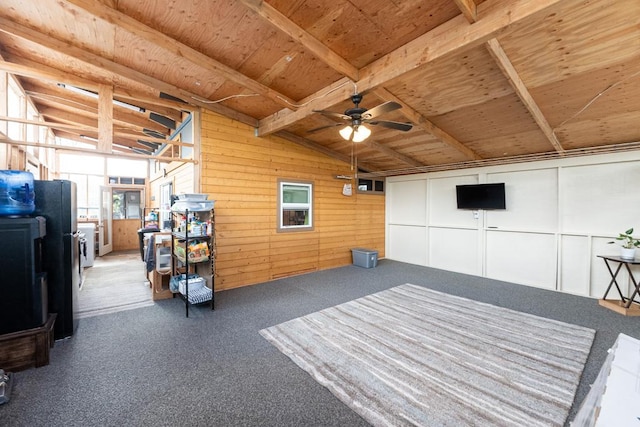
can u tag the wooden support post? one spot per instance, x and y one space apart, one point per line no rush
105 118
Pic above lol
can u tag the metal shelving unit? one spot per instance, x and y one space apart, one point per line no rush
205 269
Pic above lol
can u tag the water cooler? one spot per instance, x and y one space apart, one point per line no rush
23 288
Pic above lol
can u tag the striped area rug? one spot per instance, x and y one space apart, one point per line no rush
413 356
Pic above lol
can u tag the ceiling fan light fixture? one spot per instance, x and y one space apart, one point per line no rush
361 133
345 132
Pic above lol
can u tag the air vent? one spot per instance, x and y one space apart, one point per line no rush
152 145
173 98
164 121
153 133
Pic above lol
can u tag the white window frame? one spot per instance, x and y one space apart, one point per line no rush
282 205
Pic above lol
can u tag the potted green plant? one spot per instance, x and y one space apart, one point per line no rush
628 243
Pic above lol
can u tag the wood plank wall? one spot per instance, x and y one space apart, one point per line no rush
125 234
180 175
240 172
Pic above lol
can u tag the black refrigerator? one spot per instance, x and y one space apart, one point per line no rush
56 201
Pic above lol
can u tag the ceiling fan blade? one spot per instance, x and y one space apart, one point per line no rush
381 109
393 125
332 114
314 130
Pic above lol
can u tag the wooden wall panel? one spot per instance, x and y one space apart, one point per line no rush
179 175
183 179
240 172
125 234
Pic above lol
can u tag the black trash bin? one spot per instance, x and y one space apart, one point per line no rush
141 238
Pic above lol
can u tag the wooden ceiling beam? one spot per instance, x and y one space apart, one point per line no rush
90 151
55 91
158 105
426 124
140 136
323 99
74 124
322 52
63 116
24 67
92 138
149 138
126 141
449 38
75 118
321 149
156 37
80 129
391 153
509 71
38 71
86 106
170 113
61 126
468 9
34 36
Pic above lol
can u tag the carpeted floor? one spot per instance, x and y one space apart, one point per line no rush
114 283
153 366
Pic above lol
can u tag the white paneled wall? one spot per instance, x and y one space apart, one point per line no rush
407 220
454 249
574 274
445 213
407 201
527 258
532 200
560 216
602 197
408 243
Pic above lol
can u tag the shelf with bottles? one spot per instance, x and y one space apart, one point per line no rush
193 255
194 224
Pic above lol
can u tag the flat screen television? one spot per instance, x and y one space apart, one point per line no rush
481 196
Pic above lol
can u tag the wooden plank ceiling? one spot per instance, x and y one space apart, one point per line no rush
482 82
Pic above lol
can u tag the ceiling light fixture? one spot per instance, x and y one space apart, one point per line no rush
345 132
355 133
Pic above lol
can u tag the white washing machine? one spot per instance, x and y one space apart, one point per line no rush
89 230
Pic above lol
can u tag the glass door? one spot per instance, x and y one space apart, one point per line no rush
105 223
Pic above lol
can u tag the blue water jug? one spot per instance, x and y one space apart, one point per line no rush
17 197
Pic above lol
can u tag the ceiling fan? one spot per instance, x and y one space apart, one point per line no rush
357 116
